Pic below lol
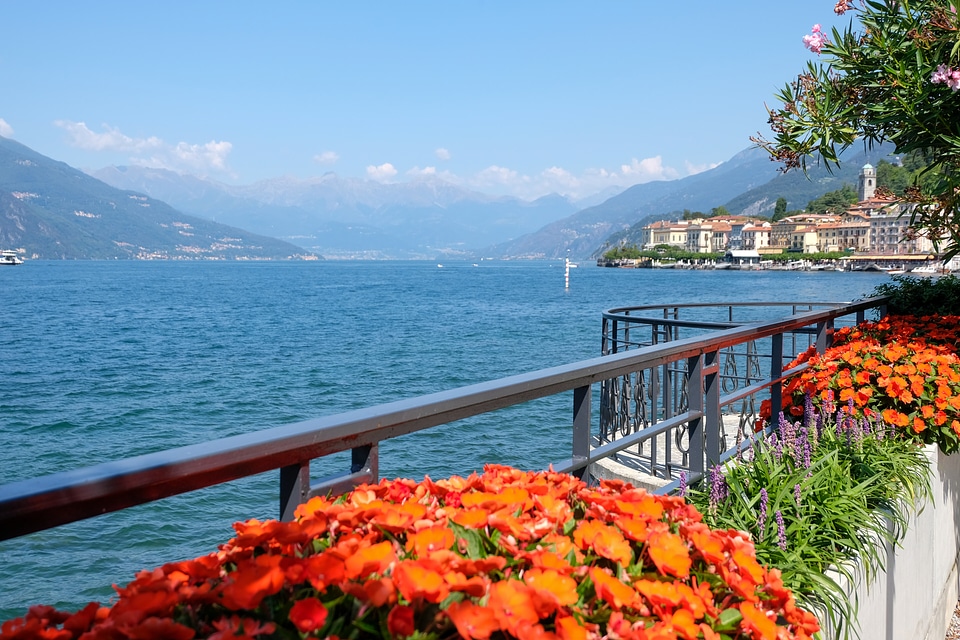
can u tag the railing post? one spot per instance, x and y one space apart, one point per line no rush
824 335
711 387
294 488
581 428
776 371
695 405
366 458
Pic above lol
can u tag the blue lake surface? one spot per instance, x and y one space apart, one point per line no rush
107 360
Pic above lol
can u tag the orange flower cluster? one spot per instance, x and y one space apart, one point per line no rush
903 369
536 556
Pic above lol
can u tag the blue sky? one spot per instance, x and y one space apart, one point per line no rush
521 98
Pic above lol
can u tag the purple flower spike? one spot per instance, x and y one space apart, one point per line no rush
683 484
796 494
781 531
808 412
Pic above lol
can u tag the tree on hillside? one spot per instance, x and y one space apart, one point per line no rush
719 211
693 215
780 209
892 75
834 201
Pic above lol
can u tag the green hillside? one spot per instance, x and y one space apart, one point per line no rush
53 211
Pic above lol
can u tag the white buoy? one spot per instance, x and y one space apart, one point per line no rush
566 275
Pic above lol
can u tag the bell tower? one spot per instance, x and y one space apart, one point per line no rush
867 185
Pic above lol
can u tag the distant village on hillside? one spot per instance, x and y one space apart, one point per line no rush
874 234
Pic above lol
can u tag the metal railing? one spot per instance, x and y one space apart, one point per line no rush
638 400
50 501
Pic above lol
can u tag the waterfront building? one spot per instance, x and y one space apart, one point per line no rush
665 232
708 237
850 233
782 231
803 239
756 236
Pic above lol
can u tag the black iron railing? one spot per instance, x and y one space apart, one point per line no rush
50 501
636 401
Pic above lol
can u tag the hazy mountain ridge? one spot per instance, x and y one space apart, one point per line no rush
349 217
54 211
747 184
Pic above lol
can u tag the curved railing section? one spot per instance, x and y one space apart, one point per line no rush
691 367
640 400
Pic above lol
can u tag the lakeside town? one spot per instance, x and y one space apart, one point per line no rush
874 234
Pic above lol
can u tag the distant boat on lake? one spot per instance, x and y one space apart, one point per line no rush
8 257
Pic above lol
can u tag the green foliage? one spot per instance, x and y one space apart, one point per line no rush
660 252
921 296
877 81
693 215
834 201
719 211
780 209
852 485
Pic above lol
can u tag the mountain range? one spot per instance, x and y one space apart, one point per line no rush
351 218
53 211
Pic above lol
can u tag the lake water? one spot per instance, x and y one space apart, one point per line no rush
106 360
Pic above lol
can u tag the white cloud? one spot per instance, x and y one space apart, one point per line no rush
326 157
648 169
506 181
442 154
417 172
152 151
381 173
693 169
111 139
5 129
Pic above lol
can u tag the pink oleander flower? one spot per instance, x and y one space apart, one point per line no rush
946 75
815 40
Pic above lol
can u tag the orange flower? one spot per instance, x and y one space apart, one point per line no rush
669 553
611 590
369 560
425 541
473 621
561 588
602 539
420 579
757 623
513 606
253 581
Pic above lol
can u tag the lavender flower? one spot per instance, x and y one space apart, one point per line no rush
797 494
808 412
683 484
762 518
781 530
718 488
806 451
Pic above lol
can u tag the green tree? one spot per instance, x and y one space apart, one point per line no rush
719 211
893 178
834 201
693 215
780 208
893 74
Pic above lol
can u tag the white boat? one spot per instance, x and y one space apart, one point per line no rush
9 257
926 270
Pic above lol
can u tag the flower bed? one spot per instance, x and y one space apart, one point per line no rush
902 369
502 554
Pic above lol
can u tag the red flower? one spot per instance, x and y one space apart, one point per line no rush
308 615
